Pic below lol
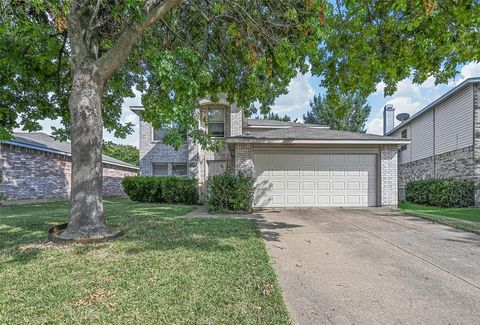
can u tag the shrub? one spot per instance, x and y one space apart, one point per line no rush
168 189
447 193
229 192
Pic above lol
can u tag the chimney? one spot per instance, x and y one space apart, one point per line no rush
388 118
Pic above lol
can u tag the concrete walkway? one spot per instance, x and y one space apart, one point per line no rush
372 266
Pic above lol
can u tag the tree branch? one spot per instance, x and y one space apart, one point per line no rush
117 55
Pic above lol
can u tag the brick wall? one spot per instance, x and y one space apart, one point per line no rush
453 164
244 159
388 176
31 174
157 152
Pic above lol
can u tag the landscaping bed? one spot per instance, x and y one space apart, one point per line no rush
167 268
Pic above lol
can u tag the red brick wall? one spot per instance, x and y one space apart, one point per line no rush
31 174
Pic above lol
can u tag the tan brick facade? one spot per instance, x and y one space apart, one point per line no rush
388 176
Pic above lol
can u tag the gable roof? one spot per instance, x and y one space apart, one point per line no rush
305 134
44 142
439 100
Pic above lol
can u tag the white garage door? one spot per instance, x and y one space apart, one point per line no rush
306 180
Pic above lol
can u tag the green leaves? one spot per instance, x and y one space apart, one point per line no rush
349 113
248 50
392 40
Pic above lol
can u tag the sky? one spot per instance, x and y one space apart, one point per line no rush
409 98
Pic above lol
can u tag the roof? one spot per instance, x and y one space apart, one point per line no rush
439 100
44 142
305 134
280 124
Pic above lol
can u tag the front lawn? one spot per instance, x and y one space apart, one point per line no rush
166 269
462 218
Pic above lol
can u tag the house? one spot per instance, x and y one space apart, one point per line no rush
294 165
37 167
445 138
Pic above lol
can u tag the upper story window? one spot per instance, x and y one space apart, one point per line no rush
404 136
216 122
159 133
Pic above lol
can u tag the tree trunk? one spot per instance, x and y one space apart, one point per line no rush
86 212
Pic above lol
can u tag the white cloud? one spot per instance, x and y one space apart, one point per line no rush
375 126
298 97
469 70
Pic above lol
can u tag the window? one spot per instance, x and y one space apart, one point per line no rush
158 134
216 122
404 136
160 170
175 169
179 170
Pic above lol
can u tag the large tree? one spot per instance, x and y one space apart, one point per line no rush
77 60
349 113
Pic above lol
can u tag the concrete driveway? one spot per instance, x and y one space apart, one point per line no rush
372 266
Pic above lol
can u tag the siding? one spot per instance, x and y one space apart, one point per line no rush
405 155
454 122
422 137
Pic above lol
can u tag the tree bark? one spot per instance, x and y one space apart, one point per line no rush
86 212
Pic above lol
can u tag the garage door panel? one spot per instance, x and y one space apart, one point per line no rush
291 180
308 185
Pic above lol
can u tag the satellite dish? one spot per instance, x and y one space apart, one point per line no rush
403 117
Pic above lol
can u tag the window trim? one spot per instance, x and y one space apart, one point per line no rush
169 166
176 163
160 163
224 121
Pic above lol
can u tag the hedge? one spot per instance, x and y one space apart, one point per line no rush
230 193
165 189
446 193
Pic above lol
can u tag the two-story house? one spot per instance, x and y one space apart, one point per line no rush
445 138
294 165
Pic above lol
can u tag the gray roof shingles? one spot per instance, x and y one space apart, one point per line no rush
305 132
44 142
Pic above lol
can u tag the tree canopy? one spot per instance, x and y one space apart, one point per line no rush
126 153
367 42
247 49
350 113
275 116
177 51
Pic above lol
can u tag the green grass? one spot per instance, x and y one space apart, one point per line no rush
166 269
462 218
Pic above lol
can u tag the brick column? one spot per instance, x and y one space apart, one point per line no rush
236 120
476 144
388 176
244 159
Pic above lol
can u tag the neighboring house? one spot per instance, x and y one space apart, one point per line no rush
445 138
35 166
294 165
